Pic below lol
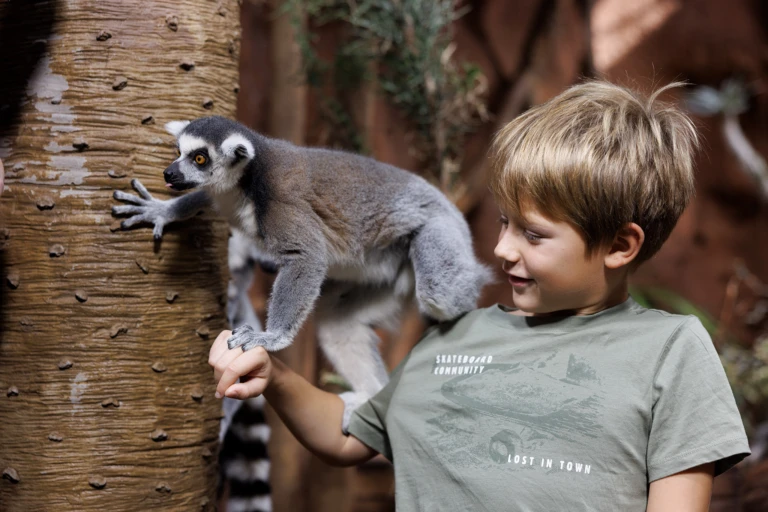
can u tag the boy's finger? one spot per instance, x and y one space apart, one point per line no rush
219 347
224 361
249 389
245 363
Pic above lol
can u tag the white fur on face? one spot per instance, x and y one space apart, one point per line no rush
226 176
189 143
176 127
222 177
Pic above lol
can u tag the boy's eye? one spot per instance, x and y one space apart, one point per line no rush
200 159
531 237
503 220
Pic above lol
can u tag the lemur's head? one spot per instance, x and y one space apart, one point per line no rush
213 152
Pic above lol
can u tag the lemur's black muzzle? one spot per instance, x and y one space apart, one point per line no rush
174 179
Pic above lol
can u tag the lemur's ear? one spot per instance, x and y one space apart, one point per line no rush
236 147
176 127
241 151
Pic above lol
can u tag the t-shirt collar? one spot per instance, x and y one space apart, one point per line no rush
499 313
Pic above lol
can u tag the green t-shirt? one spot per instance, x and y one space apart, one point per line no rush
503 412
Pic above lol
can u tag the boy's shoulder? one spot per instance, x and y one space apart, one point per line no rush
651 320
657 329
629 318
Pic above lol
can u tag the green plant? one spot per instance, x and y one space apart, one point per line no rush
405 46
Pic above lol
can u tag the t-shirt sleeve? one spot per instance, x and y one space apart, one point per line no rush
368 422
694 416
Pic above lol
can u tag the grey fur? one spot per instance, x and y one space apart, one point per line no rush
366 234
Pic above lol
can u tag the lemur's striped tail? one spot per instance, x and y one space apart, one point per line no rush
243 460
243 457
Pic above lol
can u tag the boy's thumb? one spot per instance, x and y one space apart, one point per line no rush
233 392
249 389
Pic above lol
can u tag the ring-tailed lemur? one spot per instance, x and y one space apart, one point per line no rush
352 237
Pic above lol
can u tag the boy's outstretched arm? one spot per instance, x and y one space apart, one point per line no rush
311 414
687 491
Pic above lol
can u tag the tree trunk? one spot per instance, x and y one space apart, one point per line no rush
107 397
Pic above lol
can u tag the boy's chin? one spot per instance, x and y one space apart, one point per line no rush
526 303
532 307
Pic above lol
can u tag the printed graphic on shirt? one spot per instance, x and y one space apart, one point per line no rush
460 364
523 415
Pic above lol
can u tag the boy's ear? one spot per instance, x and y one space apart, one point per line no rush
625 247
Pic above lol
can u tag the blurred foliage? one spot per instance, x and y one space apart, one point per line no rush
404 46
746 368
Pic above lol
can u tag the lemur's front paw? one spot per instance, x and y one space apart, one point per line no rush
247 338
352 401
142 209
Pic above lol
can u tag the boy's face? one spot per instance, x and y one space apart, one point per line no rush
548 266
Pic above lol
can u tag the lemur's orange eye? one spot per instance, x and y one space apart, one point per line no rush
200 159
178 152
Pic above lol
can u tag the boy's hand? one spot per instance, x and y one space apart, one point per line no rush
253 367
313 415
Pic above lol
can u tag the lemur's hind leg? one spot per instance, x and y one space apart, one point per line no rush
346 315
448 277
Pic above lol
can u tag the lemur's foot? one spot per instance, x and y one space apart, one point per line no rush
352 400
247 338
142 209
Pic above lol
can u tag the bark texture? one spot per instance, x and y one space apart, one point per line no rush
107 399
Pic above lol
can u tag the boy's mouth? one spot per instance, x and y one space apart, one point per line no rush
519 282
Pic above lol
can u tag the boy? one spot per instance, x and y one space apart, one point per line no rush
578 399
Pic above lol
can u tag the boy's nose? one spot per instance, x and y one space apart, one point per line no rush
506 250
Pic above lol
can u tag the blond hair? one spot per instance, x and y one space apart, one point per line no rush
598 156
